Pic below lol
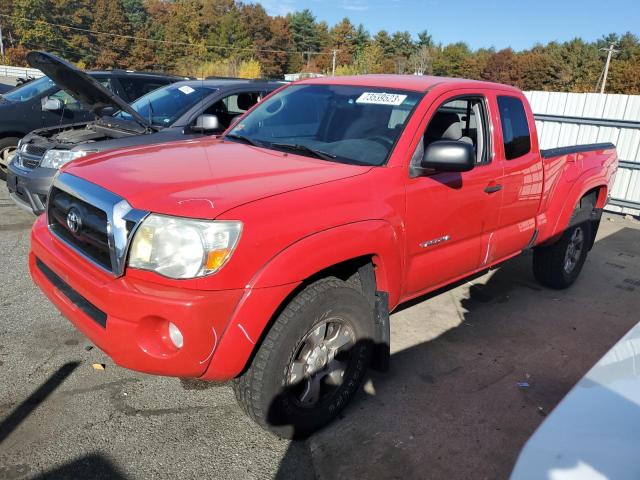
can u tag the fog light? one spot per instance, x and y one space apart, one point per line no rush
175 335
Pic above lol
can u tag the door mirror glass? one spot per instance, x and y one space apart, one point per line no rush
449 156
51 104
206 123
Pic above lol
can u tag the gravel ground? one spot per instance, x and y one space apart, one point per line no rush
450 407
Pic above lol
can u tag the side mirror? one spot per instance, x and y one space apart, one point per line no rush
108 111
52 104
449 156
206 123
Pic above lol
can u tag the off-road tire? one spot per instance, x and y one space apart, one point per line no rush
549 261
262 389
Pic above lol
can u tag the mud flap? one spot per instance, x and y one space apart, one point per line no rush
596 215
382 348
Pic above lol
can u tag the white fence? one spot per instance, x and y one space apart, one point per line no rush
564 119
18 72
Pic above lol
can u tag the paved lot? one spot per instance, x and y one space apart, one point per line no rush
450 408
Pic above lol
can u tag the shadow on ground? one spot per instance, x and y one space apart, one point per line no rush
451 407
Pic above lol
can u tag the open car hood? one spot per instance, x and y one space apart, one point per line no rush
81 86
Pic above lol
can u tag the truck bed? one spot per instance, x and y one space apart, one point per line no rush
587 147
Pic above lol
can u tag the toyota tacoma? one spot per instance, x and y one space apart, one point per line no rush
273 255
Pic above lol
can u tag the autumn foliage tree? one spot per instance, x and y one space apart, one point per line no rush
111 51
198 37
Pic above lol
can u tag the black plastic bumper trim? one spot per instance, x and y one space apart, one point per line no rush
82 303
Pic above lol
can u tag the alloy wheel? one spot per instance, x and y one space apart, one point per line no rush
320 362
574 250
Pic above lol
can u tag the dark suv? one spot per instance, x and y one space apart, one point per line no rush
41 103
180 111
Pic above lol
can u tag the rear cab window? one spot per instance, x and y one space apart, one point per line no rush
515 128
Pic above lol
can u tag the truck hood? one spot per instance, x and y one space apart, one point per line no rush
80 85
204 178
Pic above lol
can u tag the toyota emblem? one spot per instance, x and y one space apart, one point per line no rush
74 221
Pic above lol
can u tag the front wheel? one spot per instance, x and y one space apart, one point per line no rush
311 362
558 265
7 149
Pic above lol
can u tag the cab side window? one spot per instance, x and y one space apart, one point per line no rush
241 102
232 106
71 103
515 129
463 120
67 100
135 88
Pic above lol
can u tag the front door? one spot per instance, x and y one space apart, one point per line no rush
451 217
72 112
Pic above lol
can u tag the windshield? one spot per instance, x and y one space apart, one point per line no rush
351 124
165 105
29 90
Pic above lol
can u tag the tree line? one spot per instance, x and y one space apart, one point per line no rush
231 38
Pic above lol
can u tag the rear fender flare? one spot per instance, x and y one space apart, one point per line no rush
566 210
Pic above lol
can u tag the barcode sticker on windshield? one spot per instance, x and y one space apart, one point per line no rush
381 98
186 89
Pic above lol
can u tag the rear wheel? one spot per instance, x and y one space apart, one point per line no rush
558 265
311 362
8 147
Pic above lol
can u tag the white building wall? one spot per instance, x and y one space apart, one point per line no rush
610 118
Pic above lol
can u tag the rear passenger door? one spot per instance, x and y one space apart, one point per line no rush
451 217
523 175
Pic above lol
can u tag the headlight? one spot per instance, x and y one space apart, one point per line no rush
57 158
181 247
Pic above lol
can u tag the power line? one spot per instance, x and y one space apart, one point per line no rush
166 42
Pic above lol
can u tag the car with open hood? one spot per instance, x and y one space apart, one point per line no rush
44 102
179 111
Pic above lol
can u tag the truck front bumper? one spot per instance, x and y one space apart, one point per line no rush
129 318
29 188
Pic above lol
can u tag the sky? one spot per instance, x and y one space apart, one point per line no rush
518 24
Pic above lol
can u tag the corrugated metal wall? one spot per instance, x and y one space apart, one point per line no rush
564 119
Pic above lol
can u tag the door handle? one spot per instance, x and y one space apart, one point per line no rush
493 188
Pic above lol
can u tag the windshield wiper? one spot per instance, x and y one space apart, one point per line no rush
303 148
243 139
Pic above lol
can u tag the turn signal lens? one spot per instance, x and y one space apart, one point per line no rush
217 258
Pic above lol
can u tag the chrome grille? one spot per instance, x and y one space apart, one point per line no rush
30 155
91 238
93 221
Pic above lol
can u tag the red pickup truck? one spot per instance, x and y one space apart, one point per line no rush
273 254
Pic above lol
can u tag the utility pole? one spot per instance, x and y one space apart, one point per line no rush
1 44
309 52
610 51
333 70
